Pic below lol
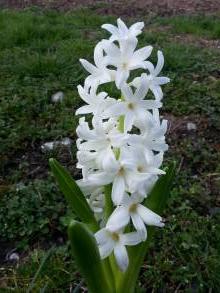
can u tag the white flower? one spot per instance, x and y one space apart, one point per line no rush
96 201
98 144
135 171
121 31
154 82
125 58
152 132
116 241
115 172
131 208
133 106
96 102
98 73
145 169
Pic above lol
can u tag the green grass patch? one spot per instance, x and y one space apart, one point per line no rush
56 273
202 26
36 211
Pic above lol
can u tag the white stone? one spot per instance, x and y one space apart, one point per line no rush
14 257
57 97
48 146
66 141
51 145
191 126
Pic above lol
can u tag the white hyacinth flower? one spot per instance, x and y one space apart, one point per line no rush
152 132
96 102
97 202
115 241
154 82
121 31
100 142
98 73
125 58
133 106
131 208
145 169
115 172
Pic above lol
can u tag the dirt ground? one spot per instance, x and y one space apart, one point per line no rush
122 7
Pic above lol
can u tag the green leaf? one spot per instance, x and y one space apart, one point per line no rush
73 194
156 201
87 257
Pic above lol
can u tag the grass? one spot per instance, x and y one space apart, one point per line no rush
208 27
39 52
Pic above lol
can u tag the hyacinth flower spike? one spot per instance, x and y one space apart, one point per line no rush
120 151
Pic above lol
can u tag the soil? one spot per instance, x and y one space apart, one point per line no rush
118 7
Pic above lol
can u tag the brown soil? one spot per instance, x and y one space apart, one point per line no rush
120 7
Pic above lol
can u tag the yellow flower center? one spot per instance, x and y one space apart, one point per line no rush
131 106
140 169
133 208
115 236
124 65
121 171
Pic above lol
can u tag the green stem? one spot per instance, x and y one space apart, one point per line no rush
108 211
127 282
121 123
108 202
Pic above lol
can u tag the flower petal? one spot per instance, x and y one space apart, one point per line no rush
88 66
118 219
85 110
142 89
121 77
128 46
98 55
142 54
162 80
101 236
149 217
115 110
110 28
121 257
156 89
131 239
122 26
139 225
160 63
136 28
150 104
129 120
100 178
106 249
118 189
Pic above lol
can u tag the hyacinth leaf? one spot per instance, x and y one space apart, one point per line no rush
157 202
73 194
86 254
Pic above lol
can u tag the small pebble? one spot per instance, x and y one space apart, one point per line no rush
66 141
49 146
13 257
57 97
191 126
